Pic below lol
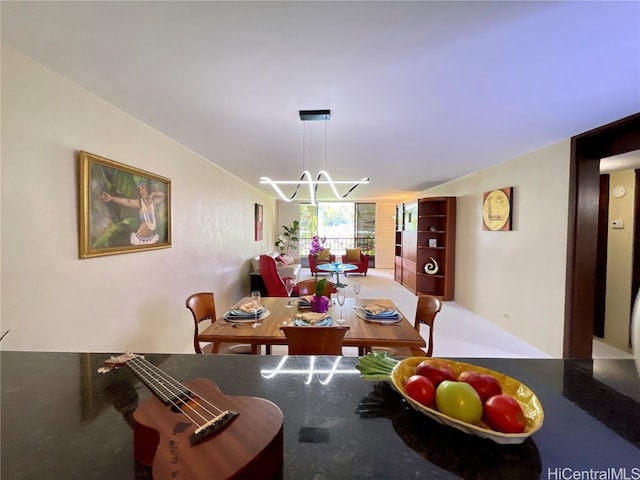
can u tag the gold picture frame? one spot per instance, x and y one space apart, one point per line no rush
122 209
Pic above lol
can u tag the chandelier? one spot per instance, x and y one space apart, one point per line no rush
323 177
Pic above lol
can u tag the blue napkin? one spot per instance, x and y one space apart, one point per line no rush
237 313
390 314
395 316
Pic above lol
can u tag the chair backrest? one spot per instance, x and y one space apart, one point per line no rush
273 282
202 307
313 262
308 287
315 340
426 311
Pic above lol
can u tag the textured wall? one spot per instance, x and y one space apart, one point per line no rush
619 261
516 279
51 300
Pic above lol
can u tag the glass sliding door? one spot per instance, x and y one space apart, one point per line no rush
365 229
342 224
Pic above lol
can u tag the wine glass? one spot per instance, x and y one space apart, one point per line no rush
356 290
255 297
288 285
341 296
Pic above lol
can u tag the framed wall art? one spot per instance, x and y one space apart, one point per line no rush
258 221
121 209
497 209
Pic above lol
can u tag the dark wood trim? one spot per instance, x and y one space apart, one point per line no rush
600 292
586 151
635 262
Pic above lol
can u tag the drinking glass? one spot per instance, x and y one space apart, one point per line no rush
356 290
288 284
255 297
341 296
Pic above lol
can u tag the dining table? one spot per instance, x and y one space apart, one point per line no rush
362 333
337 268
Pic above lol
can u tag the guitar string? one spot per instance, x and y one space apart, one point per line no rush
177 393
142 364
146 370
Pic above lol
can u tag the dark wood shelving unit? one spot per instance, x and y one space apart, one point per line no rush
436 245
427 237
397 274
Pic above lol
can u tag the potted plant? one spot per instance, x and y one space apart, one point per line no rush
283 242
320 303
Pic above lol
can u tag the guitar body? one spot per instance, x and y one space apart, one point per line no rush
249 447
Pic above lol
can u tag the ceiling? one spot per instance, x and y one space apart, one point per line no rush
420 92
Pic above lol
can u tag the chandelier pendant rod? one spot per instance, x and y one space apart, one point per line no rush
306 175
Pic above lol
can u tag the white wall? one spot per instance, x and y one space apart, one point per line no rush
385 235
51 300
287 213
516 279
619 262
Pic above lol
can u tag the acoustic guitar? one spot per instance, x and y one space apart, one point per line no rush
193 431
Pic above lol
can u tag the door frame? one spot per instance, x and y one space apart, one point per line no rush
587 149
600 293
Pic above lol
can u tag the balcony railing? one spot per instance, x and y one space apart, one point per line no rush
339 246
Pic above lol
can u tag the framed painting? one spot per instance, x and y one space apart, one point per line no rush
121 209
497 210
258 222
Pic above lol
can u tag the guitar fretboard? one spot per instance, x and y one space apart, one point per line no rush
168 389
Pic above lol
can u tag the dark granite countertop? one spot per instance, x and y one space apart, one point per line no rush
63 420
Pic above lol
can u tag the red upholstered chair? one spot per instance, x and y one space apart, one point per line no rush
273 282
354 256
203 308
314 262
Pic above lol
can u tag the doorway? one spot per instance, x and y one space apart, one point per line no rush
584 189
618 212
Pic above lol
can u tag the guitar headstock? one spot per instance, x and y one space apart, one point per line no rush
115 362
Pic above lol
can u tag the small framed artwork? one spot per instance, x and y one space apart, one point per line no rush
122 209
433 243
497 209
258 222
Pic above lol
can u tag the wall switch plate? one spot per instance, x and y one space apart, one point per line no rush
617 224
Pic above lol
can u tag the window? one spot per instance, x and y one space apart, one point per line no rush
343 224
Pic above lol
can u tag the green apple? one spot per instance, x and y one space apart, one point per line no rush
459 400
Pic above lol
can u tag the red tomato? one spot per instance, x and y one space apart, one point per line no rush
421 390
486 385
435 370
504 414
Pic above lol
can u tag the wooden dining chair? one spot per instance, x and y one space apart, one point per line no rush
308 287
203 309
428 307
315 340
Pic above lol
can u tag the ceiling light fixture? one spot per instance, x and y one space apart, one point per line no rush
306 178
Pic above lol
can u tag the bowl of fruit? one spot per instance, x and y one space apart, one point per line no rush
470 398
